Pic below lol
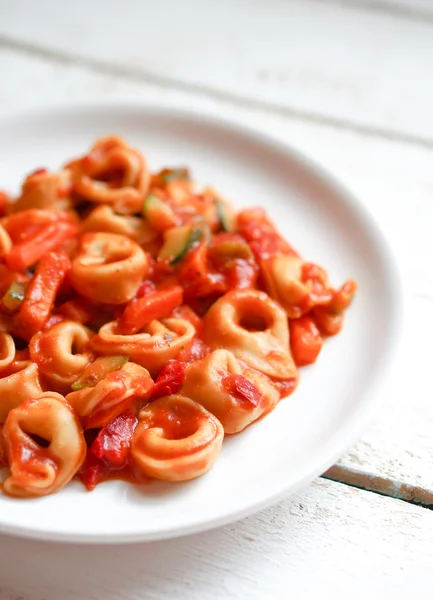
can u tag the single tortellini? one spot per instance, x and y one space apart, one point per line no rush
255 329
295 284
17 387
45 190
153 347
235 395
176 439
283 280
108 267
112 173
61 353
100 404
104 218
45 446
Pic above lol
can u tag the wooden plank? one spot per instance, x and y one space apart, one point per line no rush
345 542
394 180
313 59
355 68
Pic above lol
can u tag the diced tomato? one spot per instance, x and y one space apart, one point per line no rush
41 293
261 234
28 252
156 305
93 471
197 277
113 442
196 351
305 340
242 389
170 379
146 288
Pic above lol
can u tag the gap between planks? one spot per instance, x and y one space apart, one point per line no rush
380 485
129 73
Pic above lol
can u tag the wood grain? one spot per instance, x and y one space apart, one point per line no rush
346 542
352 68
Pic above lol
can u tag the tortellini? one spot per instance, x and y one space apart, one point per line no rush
61 353
45 190
283 278
176 439
152 348
255 329
98 405
17 387
108 267
45 446
104 218
235 395
93 180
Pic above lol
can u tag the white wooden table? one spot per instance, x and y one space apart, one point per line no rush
349 83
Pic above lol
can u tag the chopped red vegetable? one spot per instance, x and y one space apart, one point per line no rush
28 252
169 380
41 293
156 305
113 442
242 389
305 340
93 471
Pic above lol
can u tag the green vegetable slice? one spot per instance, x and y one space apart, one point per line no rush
98 370
14 296
177 242
226 216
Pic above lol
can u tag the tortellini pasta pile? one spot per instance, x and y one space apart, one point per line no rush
142 320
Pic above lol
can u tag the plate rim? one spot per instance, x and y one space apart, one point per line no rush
371 399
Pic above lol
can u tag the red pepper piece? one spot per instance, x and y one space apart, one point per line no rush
41 293
157 305
28 253
169 381
93 471
196 351
305 340
146 288
113 442
242 389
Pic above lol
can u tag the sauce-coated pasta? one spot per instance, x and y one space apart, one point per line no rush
141 320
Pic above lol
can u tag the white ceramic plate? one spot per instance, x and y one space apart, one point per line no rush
308 431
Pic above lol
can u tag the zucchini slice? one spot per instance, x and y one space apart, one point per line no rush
177 242
98 370
231 249
226 216
14 296
158 213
